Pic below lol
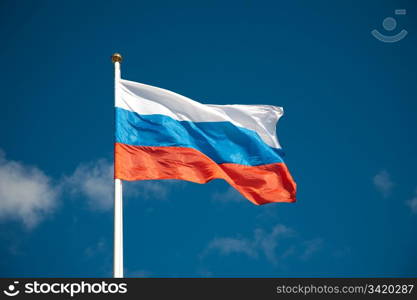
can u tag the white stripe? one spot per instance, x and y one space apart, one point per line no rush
149 100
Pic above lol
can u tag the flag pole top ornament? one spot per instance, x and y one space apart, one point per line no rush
116 57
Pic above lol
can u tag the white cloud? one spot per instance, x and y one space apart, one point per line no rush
383 183
229 195
262 242
311 247
99 247
229 245
26 193
412 203
268 242
94 181
150 189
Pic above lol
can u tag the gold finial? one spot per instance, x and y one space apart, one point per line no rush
116 57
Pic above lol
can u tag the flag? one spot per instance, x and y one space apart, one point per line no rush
164 135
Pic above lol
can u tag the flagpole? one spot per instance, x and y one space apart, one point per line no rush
118 191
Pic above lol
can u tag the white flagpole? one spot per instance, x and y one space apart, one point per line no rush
118 191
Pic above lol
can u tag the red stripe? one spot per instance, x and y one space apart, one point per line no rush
260 184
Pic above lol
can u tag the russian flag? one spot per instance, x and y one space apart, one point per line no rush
163 135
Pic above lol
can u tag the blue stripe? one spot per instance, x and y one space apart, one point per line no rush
223 142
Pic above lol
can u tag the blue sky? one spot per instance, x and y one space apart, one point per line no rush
349 133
